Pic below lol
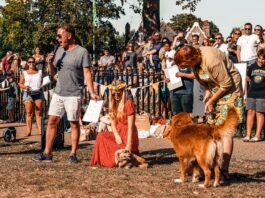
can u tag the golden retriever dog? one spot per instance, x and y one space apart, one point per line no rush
200 144
125 159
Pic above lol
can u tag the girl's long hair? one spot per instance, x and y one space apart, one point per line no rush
116 108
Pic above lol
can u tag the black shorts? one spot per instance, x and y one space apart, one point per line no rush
181 103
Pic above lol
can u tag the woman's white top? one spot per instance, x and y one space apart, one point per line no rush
33 80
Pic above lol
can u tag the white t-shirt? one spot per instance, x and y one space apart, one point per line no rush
170 58
248 44
223 47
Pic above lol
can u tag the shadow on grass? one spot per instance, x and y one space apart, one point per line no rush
246 178
160 156
36 150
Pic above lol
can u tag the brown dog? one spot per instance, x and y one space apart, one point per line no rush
200 143
125 159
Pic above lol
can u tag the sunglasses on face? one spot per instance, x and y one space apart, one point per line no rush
116 94
31 61
228 41
218 38
247 28
237 33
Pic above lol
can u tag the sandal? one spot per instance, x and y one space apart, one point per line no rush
246 139
255 139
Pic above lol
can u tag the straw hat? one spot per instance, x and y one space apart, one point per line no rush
117 85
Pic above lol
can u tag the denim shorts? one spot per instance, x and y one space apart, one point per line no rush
27 97
11 103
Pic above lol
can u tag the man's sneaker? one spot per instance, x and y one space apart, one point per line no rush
42 157
72 159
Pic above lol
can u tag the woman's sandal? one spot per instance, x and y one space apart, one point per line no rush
246 139
255 139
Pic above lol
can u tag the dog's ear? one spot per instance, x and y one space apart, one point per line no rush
167 132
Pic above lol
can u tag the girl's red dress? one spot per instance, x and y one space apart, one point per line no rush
106 146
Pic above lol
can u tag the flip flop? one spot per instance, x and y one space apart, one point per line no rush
255 139
246 139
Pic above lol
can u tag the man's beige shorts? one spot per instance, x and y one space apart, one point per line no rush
61 104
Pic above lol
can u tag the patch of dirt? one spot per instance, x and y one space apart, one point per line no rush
20 177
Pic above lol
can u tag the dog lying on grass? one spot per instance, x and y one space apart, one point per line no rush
200 144
127 160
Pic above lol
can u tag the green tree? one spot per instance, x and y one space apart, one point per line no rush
149 10
181 22
16 27
26 24
188 4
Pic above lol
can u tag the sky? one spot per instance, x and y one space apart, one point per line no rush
226 14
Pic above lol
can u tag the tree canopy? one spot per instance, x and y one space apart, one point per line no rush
27 24
181 22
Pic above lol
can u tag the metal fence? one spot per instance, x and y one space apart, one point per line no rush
146 98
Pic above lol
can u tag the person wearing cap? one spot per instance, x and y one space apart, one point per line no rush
124 133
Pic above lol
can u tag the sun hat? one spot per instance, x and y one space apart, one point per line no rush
117 85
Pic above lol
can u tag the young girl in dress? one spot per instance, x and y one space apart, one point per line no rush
124 133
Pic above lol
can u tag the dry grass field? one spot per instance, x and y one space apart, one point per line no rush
20 177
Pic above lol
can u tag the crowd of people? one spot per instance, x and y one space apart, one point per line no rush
211 63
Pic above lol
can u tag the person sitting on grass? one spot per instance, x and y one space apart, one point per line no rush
256 97
124 133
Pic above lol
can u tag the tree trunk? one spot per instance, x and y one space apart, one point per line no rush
127 33
151 16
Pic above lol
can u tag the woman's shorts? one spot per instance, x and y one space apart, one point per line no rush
257 104
11 103
27 97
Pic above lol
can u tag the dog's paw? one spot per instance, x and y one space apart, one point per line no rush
178 181
201 186
195 179
216 184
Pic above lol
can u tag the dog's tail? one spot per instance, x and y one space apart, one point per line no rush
229 126
215 153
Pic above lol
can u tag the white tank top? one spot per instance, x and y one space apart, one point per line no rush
33 80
